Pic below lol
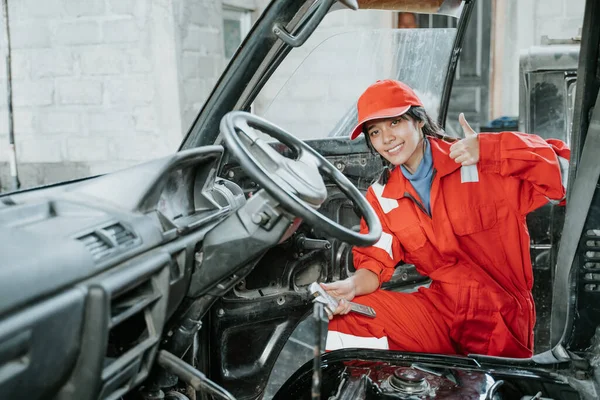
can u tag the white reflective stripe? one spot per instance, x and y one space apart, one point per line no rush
387 205
564 178
469 173
564 171
338 340
385 243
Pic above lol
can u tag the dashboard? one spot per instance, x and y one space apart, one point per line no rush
91 272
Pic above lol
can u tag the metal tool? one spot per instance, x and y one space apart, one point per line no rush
332 303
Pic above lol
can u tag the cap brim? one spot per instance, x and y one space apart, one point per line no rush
386 113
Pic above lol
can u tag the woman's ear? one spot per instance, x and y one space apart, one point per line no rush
421 124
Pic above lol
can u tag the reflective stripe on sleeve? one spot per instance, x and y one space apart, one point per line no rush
338 340
564 178
385 243
564 171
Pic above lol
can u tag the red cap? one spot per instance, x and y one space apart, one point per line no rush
384 99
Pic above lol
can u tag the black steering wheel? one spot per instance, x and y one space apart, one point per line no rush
297 183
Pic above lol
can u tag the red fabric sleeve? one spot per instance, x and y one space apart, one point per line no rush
382 257
540 165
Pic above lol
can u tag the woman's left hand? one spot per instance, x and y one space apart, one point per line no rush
466 151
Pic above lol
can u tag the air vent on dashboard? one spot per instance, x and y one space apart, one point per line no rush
97 245
137 313
121 236
112 239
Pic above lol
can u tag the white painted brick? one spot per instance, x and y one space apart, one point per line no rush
27 9
102 61
3 122
29 34
127 7
575 8
121 30
79 91
195 91
83 32
87 149
20 65
191 38
39 150
79 8
189 65
109 121
549 8
145 119
51 62
203 14
213 43
57 121
201 38
22 119
138 60
33 93
140 148
130 91
3 94
136 8
196 66
195 13
4 157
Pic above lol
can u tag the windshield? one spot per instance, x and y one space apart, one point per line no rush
313 93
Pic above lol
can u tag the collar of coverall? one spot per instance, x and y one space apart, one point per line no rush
442 163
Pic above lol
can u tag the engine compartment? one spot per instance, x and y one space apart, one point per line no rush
376 374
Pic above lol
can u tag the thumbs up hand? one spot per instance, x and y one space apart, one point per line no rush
466 151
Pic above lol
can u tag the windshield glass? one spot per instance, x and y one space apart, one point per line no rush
313 93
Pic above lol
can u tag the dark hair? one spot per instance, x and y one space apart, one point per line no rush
430 128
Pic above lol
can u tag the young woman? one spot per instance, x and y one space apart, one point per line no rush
456 210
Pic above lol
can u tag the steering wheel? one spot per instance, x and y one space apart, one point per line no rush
297 183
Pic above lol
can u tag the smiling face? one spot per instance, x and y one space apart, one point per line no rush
397 139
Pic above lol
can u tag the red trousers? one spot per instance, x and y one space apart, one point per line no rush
431 321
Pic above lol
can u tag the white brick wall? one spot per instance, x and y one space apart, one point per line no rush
121 31
200 37
49 63
74 91
28 33
102 60
58 121
30 93
125 7
104 84
76 32
85 86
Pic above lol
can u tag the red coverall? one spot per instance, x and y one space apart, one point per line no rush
474 246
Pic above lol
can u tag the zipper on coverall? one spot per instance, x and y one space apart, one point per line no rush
420 205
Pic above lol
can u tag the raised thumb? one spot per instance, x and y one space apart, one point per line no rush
468 131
